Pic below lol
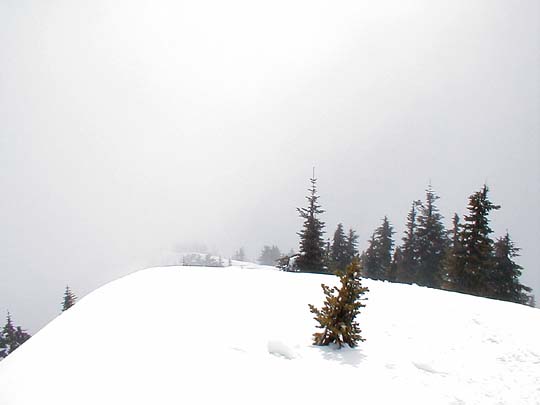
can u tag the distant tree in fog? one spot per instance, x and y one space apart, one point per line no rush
240 255
269 255
69 299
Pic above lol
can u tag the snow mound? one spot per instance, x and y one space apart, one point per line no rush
243 335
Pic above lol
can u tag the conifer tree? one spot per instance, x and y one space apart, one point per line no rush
327 260
369 258
451 262
397 260
240 255
69 299
504 279
378 255
432 242
406 262
339 257
341 306
351 243
476 259
269 255
311 257
7 337
11 337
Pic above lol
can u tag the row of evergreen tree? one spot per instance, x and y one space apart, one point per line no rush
463 259
12 337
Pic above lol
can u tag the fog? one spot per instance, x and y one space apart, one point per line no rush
132 127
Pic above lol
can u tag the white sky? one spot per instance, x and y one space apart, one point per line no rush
131 126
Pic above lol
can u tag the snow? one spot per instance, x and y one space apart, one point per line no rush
242 334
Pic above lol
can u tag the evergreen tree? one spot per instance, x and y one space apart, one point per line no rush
451 262
369 259
69 299
378 256
397 260
339 257
432 242
327 260
7 337
341 306
504 280
240 255
311 257
11 337
351 243
406 262
269 255
476 259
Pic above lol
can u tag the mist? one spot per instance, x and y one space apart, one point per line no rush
132 128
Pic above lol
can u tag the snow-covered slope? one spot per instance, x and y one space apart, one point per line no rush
188 335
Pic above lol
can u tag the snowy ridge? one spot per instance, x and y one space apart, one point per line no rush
243 335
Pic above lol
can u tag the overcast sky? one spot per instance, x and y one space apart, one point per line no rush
130 127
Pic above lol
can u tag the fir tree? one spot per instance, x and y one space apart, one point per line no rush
341 306
378 256
504 279
476 259
397 259
240 255
327 259
369 259
69 299
454 250
351 243
7 337
311 257
406 262
432 242
269 255
11 337
339 257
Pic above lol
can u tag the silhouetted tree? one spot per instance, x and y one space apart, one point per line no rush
339 257
431 241
454 251
476 260
406 263
312 250
378 256
11 337
69 299
504 280
351 243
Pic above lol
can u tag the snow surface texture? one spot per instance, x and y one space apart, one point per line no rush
242 334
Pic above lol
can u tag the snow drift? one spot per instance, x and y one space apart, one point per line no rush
242 334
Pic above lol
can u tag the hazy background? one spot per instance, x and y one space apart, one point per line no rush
129 127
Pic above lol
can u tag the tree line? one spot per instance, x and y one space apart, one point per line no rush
12 337
463 259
